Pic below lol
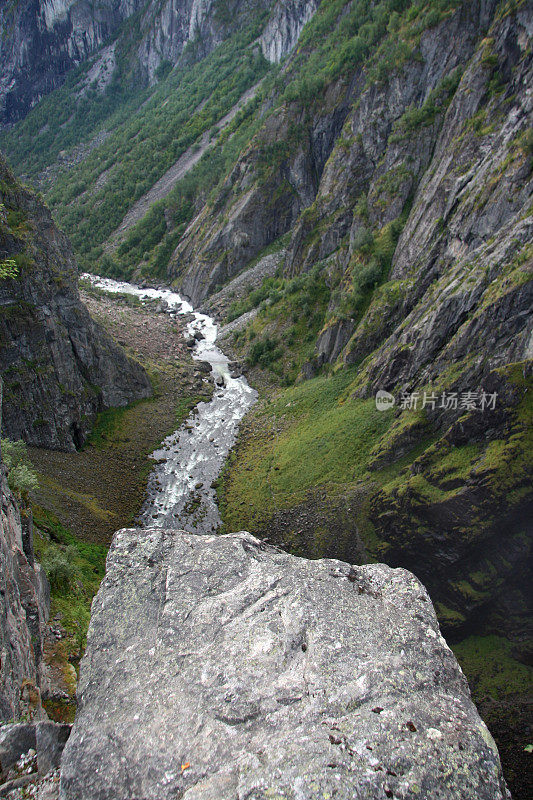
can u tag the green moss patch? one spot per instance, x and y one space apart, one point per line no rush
491 668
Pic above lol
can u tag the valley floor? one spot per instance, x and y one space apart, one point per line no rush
270 481
122 440
84 497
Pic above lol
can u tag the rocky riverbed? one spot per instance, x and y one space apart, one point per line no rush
190 459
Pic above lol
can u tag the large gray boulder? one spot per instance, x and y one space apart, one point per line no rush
218 668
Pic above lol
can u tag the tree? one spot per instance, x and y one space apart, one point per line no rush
20 474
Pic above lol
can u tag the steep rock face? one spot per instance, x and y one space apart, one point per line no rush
43 39
258 203
475 188
376 158
166 28
59 367
455 317
284 28
286 170
24 607
238 670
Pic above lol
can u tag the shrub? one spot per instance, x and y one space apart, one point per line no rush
59 569
20 475
8 268
362 239
369 275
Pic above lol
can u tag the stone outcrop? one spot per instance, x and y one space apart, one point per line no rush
284 28
218 667
59 367
47 739
24 608
258 204
218 304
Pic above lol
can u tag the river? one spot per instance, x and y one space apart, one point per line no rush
180 493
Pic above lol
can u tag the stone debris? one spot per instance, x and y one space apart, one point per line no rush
30 755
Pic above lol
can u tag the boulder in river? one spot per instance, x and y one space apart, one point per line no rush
235 369
219 668
204 367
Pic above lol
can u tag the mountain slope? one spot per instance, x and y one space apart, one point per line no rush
420 228
389 163
99 144
363 223
42 41
59 368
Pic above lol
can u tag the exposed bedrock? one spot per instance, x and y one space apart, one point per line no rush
218 667
59 367
41 41
24 609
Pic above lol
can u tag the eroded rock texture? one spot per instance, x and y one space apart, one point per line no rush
218 667
24 607
42 41
437 140
59 367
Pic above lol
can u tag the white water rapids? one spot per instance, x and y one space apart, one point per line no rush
180 494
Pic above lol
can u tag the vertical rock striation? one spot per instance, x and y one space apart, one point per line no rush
42 40
284 27
24 607
59 367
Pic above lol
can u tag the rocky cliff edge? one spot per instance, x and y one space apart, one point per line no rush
59 367
24 609
218 667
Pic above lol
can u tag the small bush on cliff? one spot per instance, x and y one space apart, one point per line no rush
60 569
8 268
20 475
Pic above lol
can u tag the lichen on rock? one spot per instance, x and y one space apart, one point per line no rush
220 667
